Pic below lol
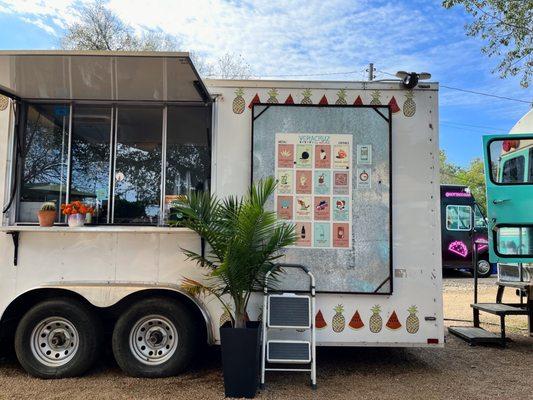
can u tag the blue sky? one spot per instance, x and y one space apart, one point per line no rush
315 36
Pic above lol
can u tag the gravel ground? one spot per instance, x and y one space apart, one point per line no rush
457 371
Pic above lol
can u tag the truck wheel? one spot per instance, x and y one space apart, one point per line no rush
483 268
57 339
154 338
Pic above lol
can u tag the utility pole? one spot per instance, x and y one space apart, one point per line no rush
371 72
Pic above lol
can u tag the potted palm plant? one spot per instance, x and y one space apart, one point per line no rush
243 240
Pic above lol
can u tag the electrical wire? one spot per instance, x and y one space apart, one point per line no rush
472 91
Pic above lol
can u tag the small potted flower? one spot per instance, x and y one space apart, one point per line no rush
76 213
47 214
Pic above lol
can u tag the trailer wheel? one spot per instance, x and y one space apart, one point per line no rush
154 338
57 339
483 268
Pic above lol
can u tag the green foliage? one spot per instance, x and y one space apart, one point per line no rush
507 28
244 241
48 206
473 177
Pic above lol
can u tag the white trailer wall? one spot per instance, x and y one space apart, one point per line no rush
417 271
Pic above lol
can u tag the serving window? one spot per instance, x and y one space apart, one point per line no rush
130 162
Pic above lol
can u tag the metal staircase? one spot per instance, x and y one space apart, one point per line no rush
288 330
524 288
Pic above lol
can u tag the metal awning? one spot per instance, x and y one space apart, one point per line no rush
98 75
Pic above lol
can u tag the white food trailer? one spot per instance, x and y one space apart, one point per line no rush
128 133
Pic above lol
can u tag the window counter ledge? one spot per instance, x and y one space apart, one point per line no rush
94 229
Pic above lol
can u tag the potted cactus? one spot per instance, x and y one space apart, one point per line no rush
244 240
47 214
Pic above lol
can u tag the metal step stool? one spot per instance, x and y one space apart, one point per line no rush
289 312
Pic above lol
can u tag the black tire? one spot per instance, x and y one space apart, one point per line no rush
483 269
86 340
129 349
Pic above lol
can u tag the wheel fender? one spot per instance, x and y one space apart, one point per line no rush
108 294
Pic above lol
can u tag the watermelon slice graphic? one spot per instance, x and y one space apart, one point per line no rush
356 322
393 323
289 100
323 101
394 105
358 101
255 100
320 322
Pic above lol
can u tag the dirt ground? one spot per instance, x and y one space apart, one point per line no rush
457 371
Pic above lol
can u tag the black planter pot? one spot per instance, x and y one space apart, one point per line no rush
240 360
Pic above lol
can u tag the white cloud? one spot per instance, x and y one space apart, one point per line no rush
308 36
40 24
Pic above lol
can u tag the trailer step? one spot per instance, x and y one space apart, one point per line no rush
500 308
475 335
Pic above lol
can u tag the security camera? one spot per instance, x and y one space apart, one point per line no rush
410 79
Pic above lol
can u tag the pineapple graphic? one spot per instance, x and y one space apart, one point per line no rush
3 102
272 96
376 322
338 321
225 317
409 105
238 102
375 98
341 94
307 97
412 323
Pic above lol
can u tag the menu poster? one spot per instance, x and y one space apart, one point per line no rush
340 235
285 207
341 208
323 156
285 155
304 155
364 154
322 208
305 234
314 191
304 208
304 182
285 181
322 235
364 178
342 156
322 182
341 182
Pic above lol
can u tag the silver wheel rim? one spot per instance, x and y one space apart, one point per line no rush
153 340
483 267
54 341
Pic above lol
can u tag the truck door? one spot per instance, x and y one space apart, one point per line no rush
509 180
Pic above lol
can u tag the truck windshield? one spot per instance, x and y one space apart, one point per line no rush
479 219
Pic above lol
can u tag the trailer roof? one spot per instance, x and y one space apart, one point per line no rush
101 75
388 84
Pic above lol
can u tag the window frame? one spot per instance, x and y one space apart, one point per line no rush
18 135
496 240
528 160
459 229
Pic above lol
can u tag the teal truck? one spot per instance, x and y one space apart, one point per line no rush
509 179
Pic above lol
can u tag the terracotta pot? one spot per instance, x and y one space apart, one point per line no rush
46 218
76 220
